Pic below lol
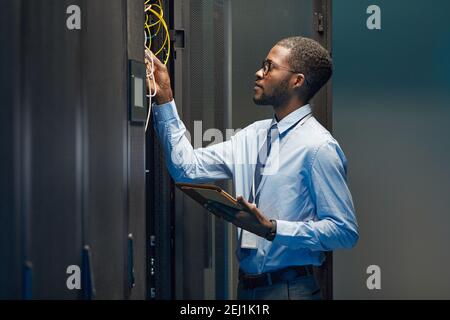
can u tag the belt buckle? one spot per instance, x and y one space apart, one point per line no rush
254 281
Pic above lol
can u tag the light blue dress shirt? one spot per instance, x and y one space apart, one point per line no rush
305 188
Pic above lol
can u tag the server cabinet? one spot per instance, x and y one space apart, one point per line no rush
160 200
46 236
73 161
322 23
11 261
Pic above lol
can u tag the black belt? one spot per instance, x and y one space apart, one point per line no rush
251 281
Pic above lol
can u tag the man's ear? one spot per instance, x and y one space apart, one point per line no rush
299 80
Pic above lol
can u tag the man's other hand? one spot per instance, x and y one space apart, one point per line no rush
250 218
162 79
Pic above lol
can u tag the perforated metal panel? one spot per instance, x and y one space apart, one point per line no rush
160 206
200 97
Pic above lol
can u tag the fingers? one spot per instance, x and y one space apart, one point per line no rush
148 65
247 205
151 86
149 55
152 83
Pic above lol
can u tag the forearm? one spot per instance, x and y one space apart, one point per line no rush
322 235
183 162
333 225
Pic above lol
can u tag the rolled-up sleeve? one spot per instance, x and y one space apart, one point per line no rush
183 162
335 223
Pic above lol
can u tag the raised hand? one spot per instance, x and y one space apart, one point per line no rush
161 81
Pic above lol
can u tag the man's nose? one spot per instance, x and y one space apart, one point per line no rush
259 74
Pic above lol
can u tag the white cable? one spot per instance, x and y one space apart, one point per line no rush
151 95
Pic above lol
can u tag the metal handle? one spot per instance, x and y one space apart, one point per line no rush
27 291
131 281
88 275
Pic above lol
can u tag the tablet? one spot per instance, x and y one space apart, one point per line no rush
202 193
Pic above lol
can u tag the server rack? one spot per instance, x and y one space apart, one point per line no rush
160 203
322 16
72 165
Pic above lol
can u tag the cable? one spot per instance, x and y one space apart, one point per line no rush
166 39
150 16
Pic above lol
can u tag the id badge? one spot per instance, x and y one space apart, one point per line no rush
248 240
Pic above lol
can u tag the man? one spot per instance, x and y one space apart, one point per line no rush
291 178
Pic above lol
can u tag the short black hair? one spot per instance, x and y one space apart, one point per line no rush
310 58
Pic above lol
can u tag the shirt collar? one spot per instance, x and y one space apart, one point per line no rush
292 118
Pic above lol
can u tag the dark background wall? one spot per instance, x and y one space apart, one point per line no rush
392 117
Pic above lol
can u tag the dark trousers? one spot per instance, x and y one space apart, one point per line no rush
296 288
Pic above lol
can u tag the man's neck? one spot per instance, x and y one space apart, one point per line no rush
284 110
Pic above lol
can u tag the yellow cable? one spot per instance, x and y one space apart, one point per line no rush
161 12
166 39
159 16
147 31
159 26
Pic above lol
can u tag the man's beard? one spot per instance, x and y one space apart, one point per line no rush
279 96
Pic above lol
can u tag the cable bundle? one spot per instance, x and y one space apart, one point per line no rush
153 22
